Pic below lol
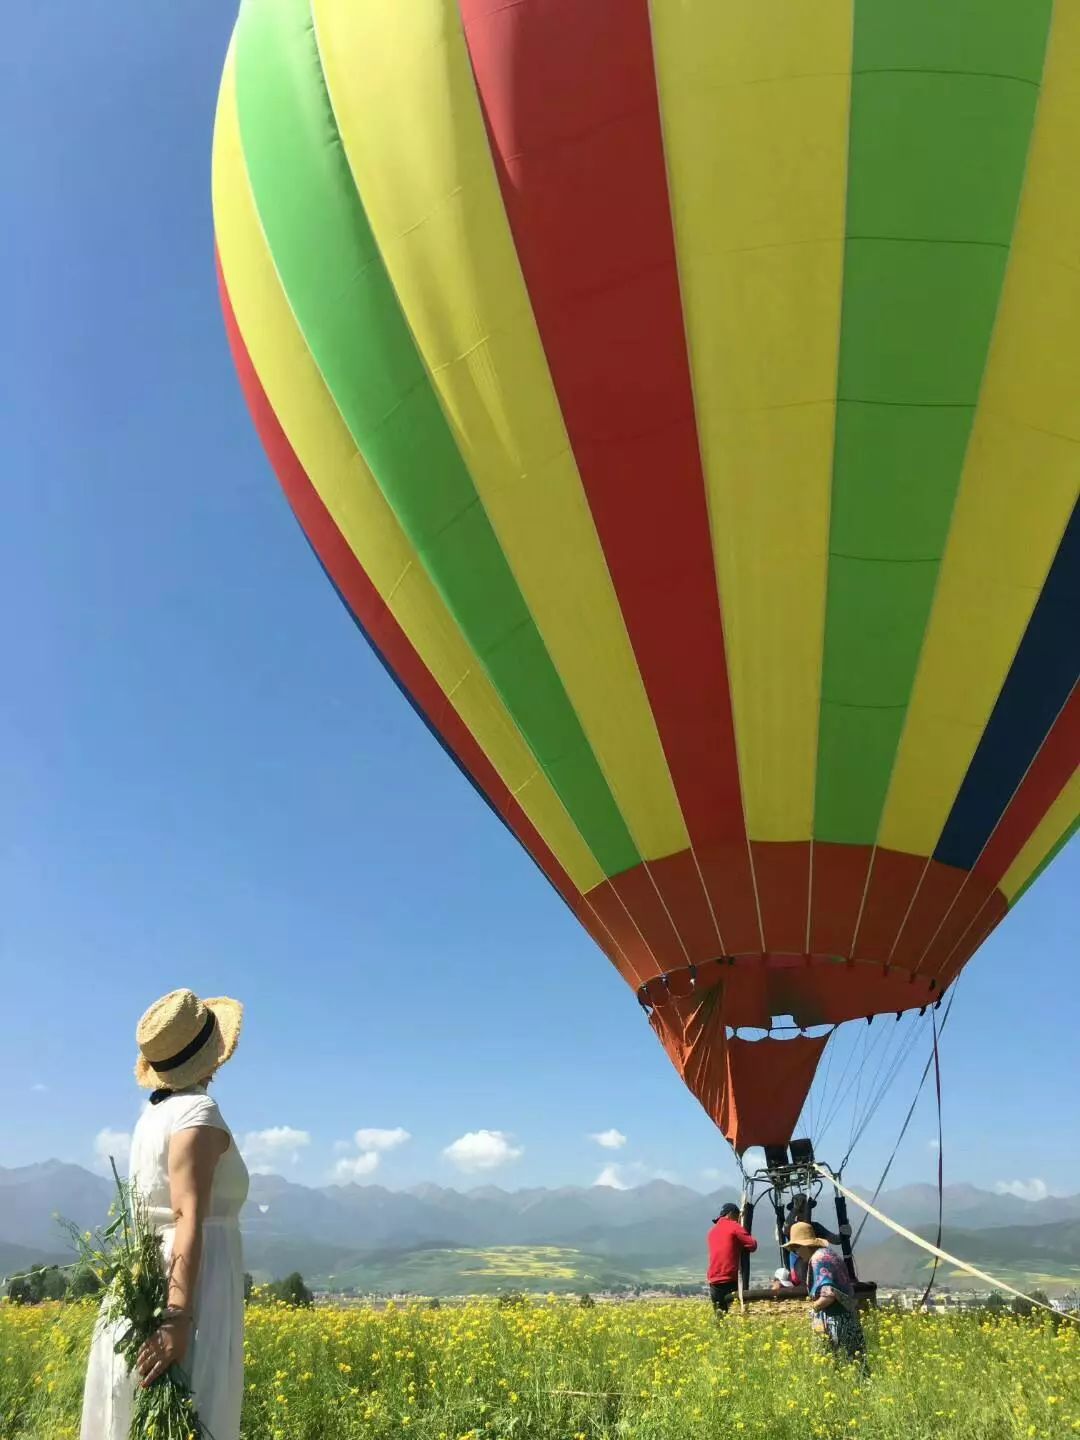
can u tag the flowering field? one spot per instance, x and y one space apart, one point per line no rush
556 1371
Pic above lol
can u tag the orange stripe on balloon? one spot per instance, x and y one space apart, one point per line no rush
387 637
569 98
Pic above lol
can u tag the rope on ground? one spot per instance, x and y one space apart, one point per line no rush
938 1252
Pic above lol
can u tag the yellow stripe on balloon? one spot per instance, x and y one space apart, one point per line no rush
754 100
1047 833
403 95
1020 476
325 448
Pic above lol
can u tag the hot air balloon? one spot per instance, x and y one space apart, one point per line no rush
684 398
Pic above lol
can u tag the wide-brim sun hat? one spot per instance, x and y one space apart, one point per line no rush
802 1233
183 1039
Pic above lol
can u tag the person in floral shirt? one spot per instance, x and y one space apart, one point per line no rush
834 1316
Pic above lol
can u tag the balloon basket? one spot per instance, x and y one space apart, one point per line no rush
865 1295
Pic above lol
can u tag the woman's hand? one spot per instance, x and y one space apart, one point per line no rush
167 1346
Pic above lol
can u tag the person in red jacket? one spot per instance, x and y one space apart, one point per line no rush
727 1241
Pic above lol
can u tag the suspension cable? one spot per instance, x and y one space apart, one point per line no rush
907 1118
940 1169
903 1054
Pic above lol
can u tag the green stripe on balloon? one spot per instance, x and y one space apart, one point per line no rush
942 107
345 306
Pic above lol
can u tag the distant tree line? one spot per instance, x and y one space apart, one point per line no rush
290 1291
50 1282
53 1282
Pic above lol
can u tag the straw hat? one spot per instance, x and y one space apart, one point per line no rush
183 1039
802 1233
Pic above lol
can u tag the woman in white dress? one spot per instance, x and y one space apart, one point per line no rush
185 1164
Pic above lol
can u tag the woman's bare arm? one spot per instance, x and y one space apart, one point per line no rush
193 1157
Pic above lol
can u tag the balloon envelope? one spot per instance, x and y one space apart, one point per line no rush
685 400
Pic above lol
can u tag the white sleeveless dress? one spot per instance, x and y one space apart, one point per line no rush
215 1358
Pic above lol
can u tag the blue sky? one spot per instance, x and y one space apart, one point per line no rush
208 780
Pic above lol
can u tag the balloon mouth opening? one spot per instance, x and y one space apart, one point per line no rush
778 993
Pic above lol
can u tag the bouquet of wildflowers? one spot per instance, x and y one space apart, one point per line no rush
126 1256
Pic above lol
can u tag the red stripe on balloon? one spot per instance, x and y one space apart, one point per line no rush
730 883
837 889
992 914
569 98
953 923
638 962
679 882
782 868
937 892
636 890
386 636
1046 777
894 879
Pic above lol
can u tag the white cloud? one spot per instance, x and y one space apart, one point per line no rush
483 1150
612 1177
39 1089
115 1143
933 1144
635 1172
372 1144
610 1139
713 1175
381 1139
354 1167
1033 1189
264 1150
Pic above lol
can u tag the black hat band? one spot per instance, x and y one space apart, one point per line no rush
188 1051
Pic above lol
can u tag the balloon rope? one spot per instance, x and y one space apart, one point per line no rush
834 1104
899 1060
869 1045
907 1118
936 1250
940 1166
897 1036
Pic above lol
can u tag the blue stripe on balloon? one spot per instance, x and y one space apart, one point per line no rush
417 709
431 729
1042 675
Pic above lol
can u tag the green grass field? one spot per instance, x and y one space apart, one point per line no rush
466 1271
557 1371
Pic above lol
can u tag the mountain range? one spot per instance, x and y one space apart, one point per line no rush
374 1235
